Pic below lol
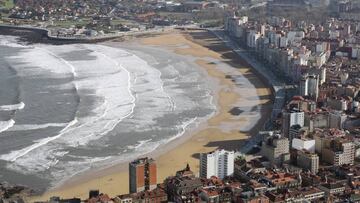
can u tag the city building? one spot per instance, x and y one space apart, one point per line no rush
332 188
281 180
219 163
309 86
179 187
304 144
337 119
308 161
296 131
157 195
291 118
253 199
313 87
276 149
304 86
338 151
252 39
142 175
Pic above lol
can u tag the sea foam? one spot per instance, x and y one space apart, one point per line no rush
12 107
14 155
5 125
112 83
26 127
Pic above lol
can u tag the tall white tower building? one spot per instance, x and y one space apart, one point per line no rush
291 118
309 86
304 82
219 163
313 86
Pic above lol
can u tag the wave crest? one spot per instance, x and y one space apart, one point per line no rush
13 107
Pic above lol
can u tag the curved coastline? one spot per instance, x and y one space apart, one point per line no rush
44 35
219 131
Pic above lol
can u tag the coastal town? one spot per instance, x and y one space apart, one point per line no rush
90 19
307 151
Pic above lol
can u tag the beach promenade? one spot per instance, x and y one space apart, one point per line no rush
278 87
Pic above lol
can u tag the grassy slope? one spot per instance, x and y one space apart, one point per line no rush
8 4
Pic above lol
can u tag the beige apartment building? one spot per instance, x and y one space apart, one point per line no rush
338 151
308 160
276 149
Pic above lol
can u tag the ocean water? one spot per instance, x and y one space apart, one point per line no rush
71 108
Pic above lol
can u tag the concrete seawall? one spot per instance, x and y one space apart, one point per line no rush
42 35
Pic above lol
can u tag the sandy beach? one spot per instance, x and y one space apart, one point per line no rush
226 129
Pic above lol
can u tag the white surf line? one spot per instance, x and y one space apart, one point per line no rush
183 127
138 144
170 99
136 94
5 125
133 100
14 155
76 87
12 107
129 89
36 126
61 59
11 41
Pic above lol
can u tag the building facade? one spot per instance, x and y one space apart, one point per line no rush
142 175
291 118
308 161
338 152
219 163
276 149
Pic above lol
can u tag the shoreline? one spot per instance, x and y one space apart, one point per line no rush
207 136
44 35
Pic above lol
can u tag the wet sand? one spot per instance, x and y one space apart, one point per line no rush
224 130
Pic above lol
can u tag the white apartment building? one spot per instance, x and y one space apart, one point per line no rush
304 86
291 118
219 163
304 144
313 86
295 36
252 39
309 86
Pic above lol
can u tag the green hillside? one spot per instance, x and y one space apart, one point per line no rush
8 4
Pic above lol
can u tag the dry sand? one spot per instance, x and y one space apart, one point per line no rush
209 136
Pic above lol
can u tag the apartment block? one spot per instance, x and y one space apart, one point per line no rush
276 149
219 163
142 175
308 161
338 151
